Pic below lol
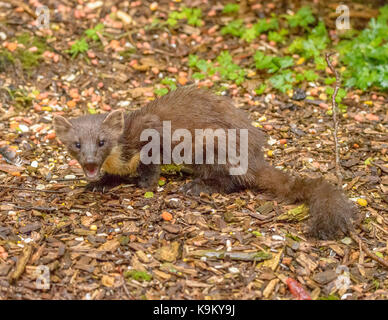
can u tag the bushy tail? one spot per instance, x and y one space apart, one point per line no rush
331 212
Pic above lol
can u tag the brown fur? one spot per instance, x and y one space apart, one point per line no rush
331 212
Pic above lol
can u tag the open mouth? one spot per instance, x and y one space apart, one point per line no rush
91 171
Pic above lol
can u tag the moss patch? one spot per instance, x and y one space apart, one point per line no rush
27 58
138 275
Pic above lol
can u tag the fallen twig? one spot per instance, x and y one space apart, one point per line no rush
38 208
368 252
243 256
24 6
21 264
34 190
353 235
335 120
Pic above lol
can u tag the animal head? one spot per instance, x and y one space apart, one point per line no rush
90 139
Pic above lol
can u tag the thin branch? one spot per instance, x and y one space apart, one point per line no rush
353 235
38 208
368 252
32 190
25 7
335 120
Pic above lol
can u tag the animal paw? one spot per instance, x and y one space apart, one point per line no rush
98 186
196 188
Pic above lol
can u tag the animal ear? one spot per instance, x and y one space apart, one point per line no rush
61 126
115 121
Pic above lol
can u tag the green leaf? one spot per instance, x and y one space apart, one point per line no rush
368 161
235 28
249 34
366 55
149 194
92 33
310 75
231 8
137 275
170 82
302 18
262 61
263 25
198 76
277 36
329 81
193 60
379 254
260 90
80 46
161 91
282 81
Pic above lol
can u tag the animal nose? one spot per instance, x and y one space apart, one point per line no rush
90 160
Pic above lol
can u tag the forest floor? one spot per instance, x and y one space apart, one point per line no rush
59 241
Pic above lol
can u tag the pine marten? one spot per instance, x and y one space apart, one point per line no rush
113 142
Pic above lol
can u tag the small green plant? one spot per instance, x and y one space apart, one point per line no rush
29 59
227 69
161 91
92 33
260 90
173 18
272 63
81 45
249 34
205 67
340 95
192 15
330 80
78 47
310 75
366 56
312 46
235 28
231 8
278 36
264 25
307 75
170 85
303 18
6 59
283 80
20 97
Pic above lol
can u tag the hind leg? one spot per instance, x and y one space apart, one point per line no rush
222 184
148 175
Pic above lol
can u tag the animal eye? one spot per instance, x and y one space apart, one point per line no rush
101 143
78 145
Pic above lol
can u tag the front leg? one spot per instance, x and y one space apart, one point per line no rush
108 181
148 175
